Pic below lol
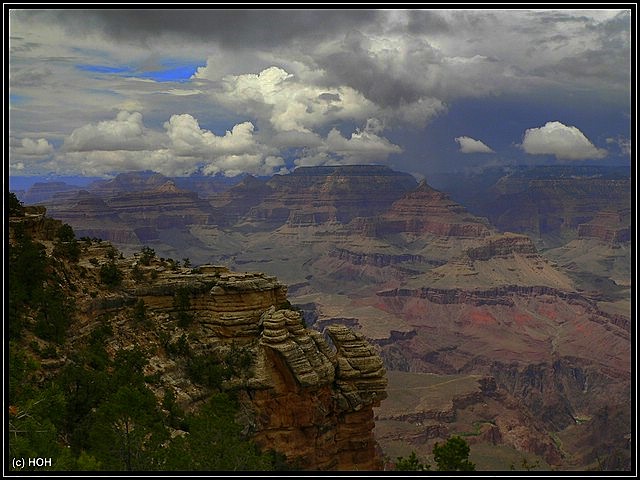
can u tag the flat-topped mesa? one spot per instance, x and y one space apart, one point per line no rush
608 226
502 245
224 304
426 210
313 195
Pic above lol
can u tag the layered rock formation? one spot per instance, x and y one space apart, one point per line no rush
162 208
426 210
500 246
609 226
134 216
313 195
42 192
309 401
90 216
553 206
236 202
127 183
316 404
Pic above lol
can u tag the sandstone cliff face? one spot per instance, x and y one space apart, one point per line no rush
42 192
553 206
314 195
426 210
502 245
609 226
90 216
308 399
130 217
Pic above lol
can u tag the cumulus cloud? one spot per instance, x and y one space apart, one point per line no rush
276 97
184 148
470 145
235 152
101 162
125 132
34 148
565 142
363 147
188 139
295 75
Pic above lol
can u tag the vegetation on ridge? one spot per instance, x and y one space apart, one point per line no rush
86 407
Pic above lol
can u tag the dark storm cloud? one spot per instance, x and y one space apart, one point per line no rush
230 28
383 78
432 23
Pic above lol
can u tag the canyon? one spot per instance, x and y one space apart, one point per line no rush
519 297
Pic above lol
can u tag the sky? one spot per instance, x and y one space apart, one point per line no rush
226 92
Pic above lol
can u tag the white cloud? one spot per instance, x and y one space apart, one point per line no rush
126 132
363 147
565 142
237 151
296 80
187 138
256 164
470 145
100 162
36 148
275 97
623 143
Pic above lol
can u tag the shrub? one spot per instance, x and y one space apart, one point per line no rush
110 274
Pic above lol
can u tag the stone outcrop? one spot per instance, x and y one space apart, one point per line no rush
360 372
379 259
315 195
609 226
312 404
35 223
225 304
426 210
305 352
500 246
553 205
305 399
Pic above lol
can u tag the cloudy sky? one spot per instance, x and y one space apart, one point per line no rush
96 92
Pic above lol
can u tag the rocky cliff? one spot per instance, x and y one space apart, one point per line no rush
609 226
314 195
552 208
307 396
426 210
90 216
130 217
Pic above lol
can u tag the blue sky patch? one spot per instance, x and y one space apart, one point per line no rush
15 99
180 73
176 72
104 69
